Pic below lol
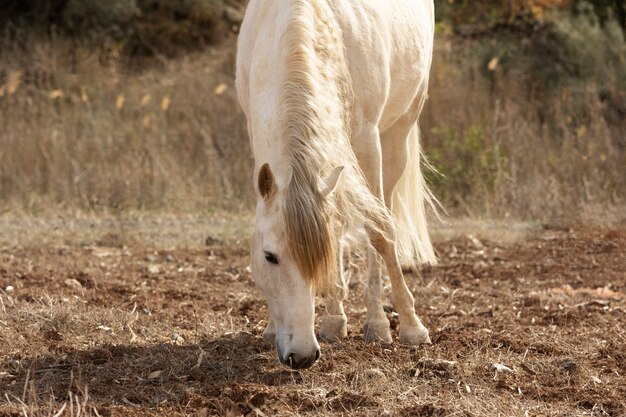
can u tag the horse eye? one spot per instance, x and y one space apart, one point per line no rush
271 257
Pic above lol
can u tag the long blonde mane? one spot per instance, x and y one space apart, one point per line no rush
316 101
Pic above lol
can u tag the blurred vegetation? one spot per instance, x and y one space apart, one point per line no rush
471 17
526 116
129 27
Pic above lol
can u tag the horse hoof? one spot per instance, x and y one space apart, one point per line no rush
414 336
377 332
334 327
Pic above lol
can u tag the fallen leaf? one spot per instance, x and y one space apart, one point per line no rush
165 103
55 94
219 90
72 282
14 81
155 374
119 102
493 64
145 100
502 368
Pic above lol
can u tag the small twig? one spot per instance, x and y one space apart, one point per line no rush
25 385
79 407
195 318
132 404
53 367
407 392
256 410
69 393
22 405
200 358
58 413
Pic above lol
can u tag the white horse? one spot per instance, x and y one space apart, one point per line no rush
332 90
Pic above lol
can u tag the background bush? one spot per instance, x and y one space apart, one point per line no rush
527 113
137 27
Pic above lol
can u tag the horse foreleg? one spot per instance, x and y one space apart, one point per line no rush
335 322
377 325
412 331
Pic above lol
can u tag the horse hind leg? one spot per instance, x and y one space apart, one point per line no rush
412 331
334 321
405 190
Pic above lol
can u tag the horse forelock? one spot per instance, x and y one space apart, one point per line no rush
310 233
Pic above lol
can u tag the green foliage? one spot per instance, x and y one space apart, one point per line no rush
590 51
466 162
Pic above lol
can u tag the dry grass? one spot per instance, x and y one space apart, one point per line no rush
82 132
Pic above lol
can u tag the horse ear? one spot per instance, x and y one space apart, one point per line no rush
267 183
331 181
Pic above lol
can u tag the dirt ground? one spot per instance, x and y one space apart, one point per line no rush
109 326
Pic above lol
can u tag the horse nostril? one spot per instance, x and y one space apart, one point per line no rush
302 363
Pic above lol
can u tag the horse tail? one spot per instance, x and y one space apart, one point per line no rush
409 200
